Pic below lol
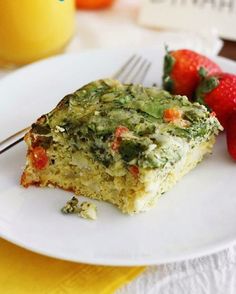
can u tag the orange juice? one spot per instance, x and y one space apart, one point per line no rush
33 29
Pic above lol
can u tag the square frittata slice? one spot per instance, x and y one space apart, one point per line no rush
121 143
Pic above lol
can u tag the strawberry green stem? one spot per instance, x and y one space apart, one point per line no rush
169 61
207 85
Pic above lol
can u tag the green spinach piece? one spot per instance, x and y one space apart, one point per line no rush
130 150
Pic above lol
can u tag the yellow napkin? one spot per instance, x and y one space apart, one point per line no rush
25 272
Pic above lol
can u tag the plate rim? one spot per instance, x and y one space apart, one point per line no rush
113 261
127 262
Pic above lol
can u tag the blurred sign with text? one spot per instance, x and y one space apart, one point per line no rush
196 15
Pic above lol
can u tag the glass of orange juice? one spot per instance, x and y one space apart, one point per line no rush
34 29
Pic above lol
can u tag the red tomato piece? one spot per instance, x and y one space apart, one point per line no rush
120 130
39 157
171 114
118 134
134 170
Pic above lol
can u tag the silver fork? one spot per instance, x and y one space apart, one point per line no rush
134 70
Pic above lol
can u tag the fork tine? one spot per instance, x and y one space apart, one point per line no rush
138 69
139 73
123 67
145 72
127 75
134 70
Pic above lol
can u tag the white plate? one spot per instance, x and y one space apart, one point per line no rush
196 218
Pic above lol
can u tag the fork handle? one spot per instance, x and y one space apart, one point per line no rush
14 135
11 145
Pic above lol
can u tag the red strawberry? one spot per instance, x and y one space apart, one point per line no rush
231 134
218 92
181 71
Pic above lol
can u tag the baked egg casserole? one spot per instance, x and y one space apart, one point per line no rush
122 143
